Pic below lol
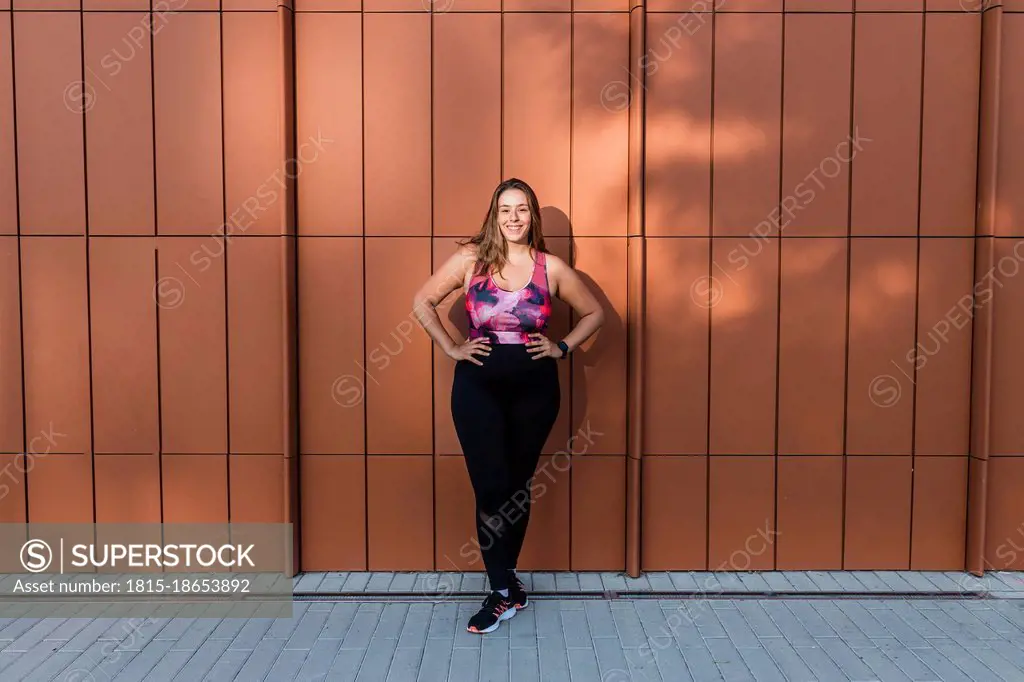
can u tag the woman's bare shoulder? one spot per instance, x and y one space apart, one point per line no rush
556 264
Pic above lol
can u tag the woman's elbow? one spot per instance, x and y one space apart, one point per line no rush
421 302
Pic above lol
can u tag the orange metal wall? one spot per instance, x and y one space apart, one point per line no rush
780 399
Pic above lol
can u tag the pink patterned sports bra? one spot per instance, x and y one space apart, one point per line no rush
509 317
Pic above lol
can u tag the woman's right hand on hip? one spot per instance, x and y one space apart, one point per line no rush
469 349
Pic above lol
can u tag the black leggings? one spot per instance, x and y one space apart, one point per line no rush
503 413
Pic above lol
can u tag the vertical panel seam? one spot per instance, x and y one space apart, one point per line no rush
433 346
365 401
156 270
849 281
572 245
88 278
224 250
711 252
917 297
778 299
21 269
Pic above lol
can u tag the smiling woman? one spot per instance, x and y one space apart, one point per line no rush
505 395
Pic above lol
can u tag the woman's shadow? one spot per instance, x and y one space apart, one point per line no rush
575 432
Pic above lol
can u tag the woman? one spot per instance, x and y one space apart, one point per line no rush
505 395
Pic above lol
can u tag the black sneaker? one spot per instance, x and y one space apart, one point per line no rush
517 592
495 609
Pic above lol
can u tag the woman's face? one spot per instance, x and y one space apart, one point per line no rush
514 216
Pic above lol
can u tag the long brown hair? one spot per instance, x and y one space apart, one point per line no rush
491 247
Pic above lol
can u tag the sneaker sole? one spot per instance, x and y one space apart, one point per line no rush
505 616
523 605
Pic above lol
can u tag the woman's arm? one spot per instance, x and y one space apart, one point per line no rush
568 286
449 277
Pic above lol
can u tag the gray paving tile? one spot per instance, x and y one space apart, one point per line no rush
379 582
848 659
943 667
871 581
755 582
660 582
989 659
591 582
652 618
914 617
228 665
405 665
810 618
443 621
346 665
599 619
729 582
800 581
318 661
761 665
847 581
627 623
391 621
288 664
640 583
728 660
904 659
332 582
683 581
1012 651
525 665
820 663
942 581
777 581
363 625
790 626
869 622
204 659
54 665
583 664
918 581
414 630
610 655
165 669
825 581
474 583
522 630
1014 580
642 666
544 582
613 581
356 582
576 630
882 667
253 630
757 618
376 662
403 582
737 628
554 659
309 582
567 582
841 624
667 657
436 662
143 663
968 635
786 658
895 581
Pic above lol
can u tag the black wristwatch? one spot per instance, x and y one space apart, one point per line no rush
565 349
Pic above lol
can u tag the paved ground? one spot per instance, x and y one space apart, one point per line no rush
808 638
